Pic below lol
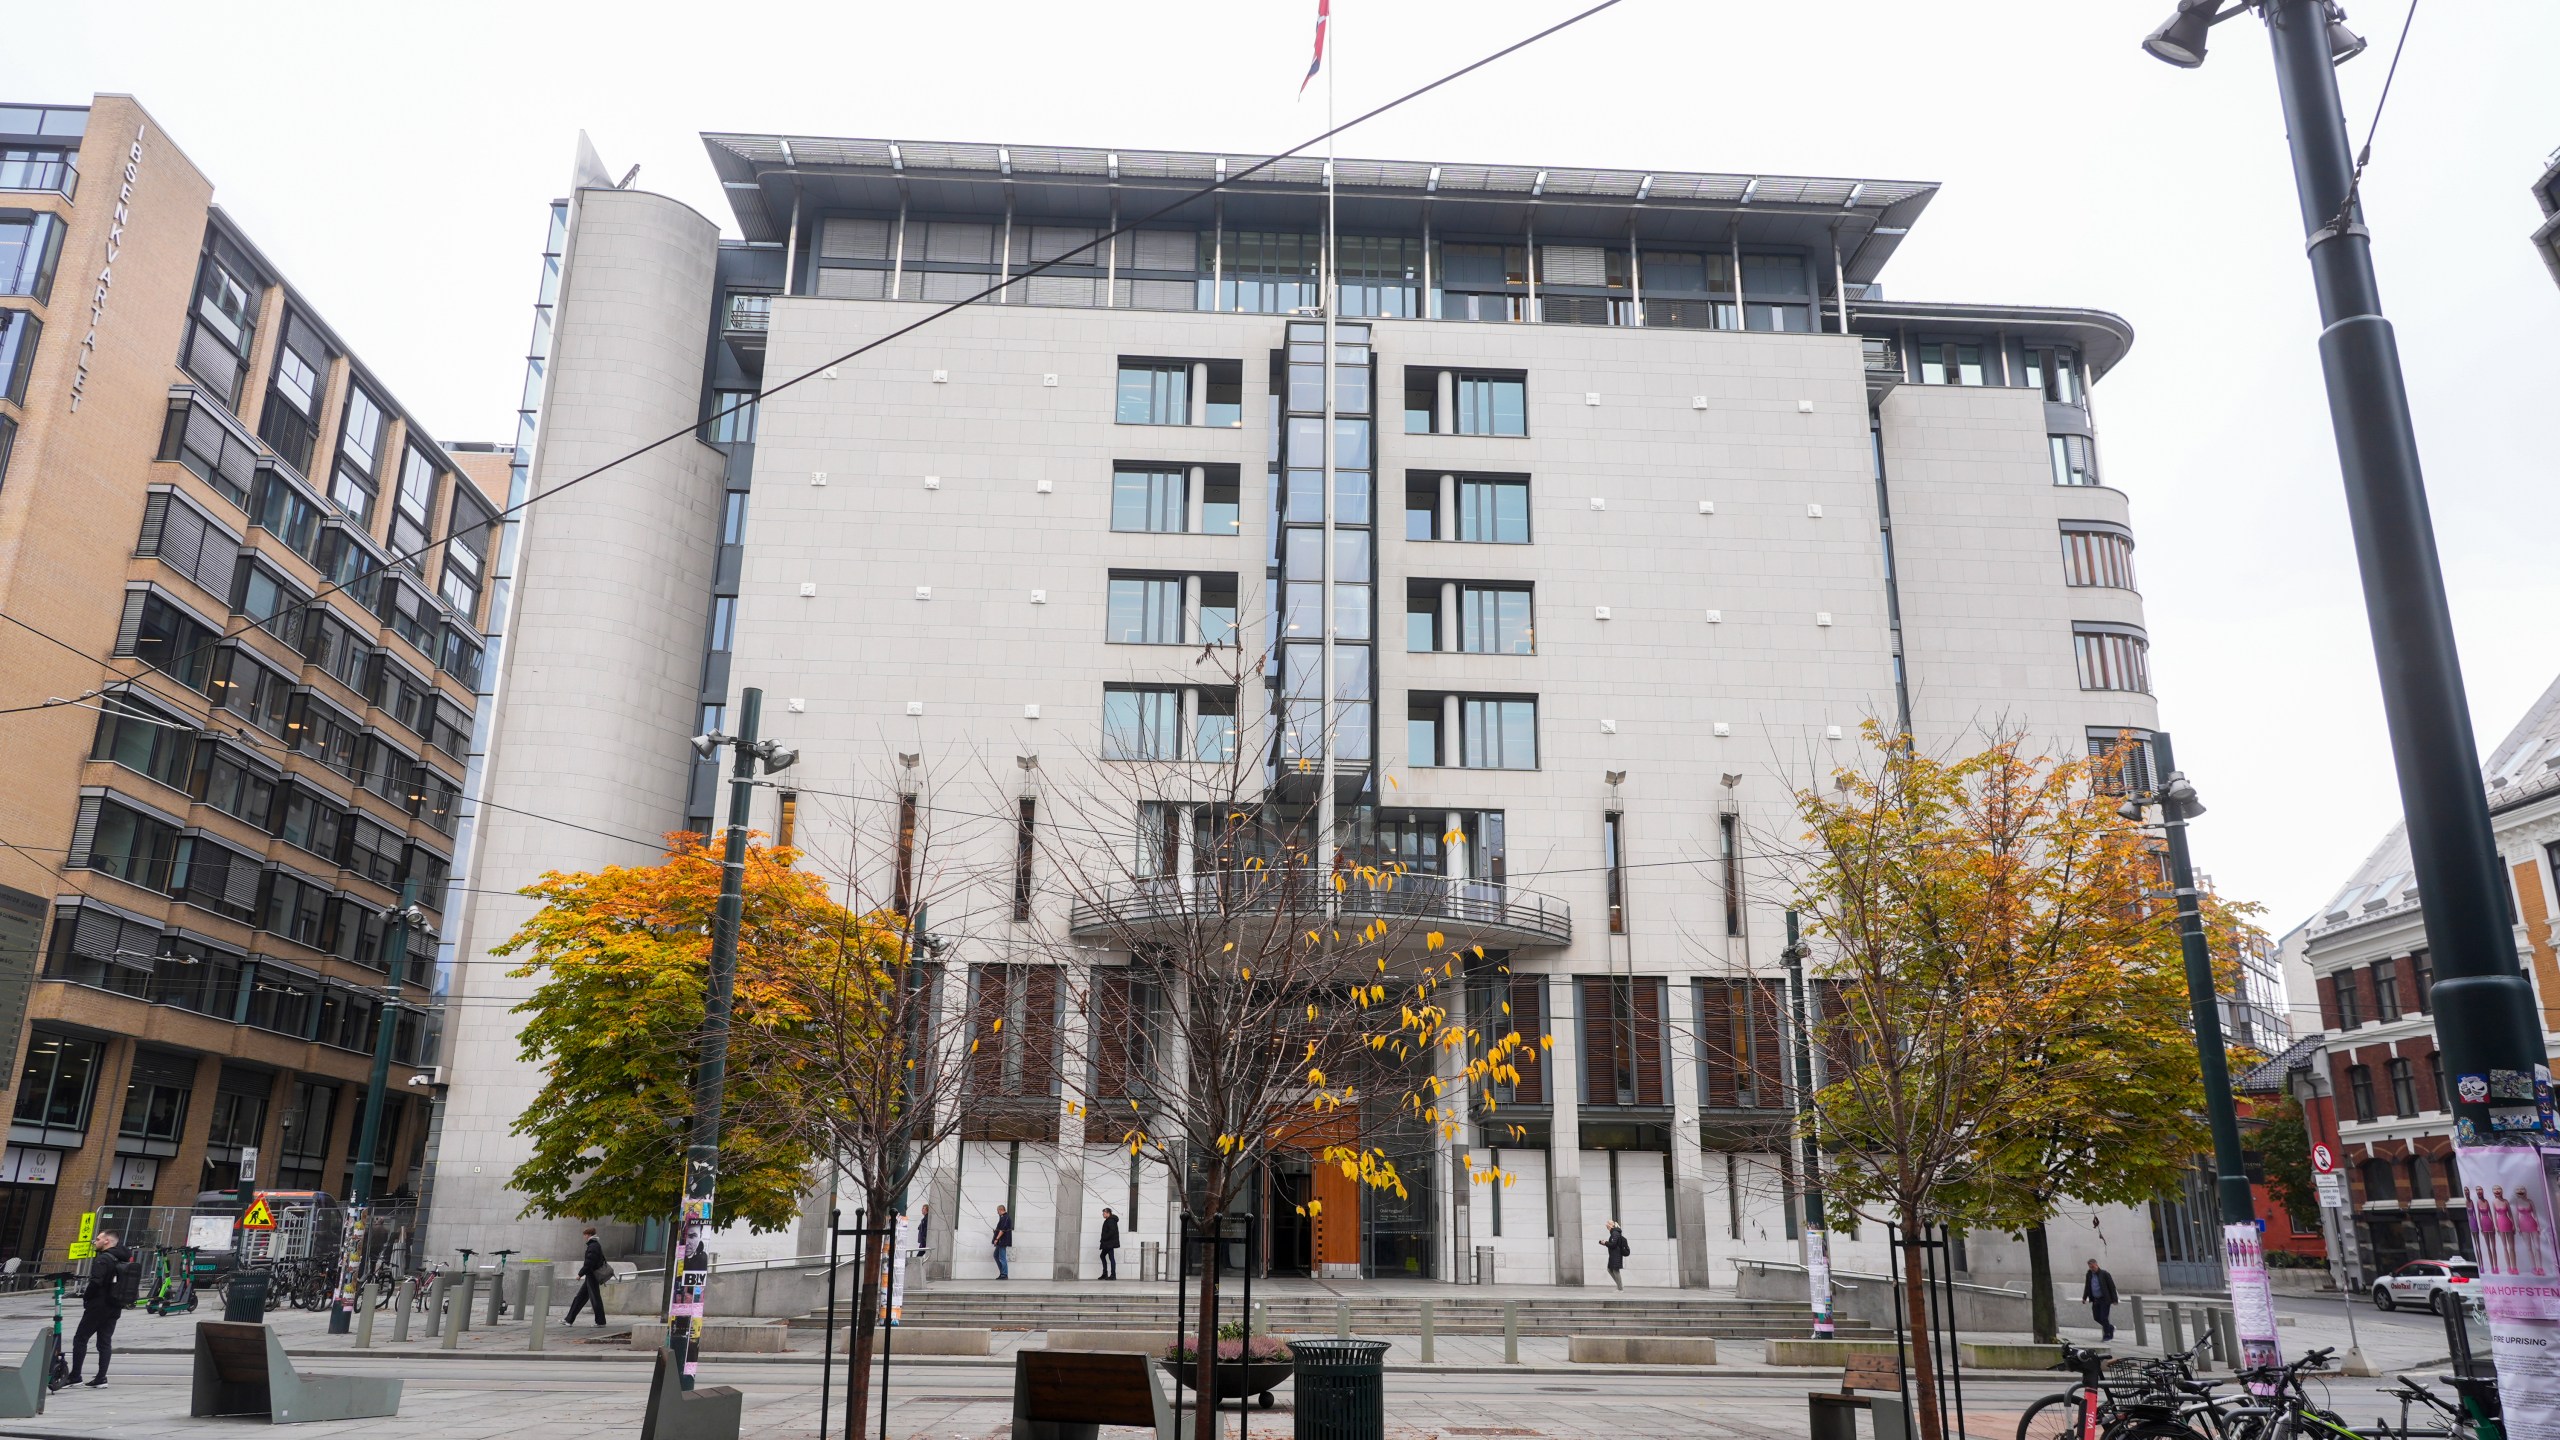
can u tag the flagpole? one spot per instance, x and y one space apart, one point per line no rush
1329 295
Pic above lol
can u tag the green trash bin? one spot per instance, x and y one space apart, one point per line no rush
1342 1389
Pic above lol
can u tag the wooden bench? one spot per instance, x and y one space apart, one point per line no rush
22 1390
1072 1394
1834 1414
242 1370
706 1412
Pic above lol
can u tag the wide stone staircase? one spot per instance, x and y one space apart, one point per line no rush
1299 1310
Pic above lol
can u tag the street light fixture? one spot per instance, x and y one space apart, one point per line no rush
2181 39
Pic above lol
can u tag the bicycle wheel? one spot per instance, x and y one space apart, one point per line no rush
2055 1417
2150 1429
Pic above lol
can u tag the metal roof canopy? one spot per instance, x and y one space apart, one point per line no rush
762 174
2103 336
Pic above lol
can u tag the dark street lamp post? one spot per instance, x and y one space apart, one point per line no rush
2486 1020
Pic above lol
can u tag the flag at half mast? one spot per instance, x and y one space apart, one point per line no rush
1324 13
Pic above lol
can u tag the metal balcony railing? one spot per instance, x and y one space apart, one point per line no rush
1465 911
750 312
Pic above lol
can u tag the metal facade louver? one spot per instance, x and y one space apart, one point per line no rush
849 238
1573 265
84 832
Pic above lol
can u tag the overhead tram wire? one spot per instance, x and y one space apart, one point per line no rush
919 323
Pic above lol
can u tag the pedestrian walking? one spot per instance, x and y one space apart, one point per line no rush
592 1273
1616 1245
2099 1289
924 1229
1110 1244
112 1281
1003 1242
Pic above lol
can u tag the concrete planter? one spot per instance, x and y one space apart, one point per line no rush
719 1337
1995 1355
1124 1342
920 1340
1830 1354
1640 1349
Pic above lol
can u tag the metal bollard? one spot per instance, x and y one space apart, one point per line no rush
2226 1336
364 1316
458 1310
435 1306
1261 1317
1428 1357
470 1285
539 1312
1342 1320
1510 1332
401 1300
524 1287
2141 1331
2173 1332
497 1298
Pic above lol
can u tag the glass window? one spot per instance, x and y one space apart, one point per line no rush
1149 500
1218 610
132 847
285 512
1499 734
1155 395
1493 405
19 331
2075 460
2112 659
1141 723
167 639
733 418
144 740
55 1086
416 503
1494 620
2055 370
360 432
1213 736
1422 731
1422 507
2097 558
1221 510
30 243
1493 511
1422 618
261 595
1950 362
1145 610
352 493
309 822
298 380
222 324
733 518
236 787
724 622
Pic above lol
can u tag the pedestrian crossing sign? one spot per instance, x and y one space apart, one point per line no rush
259 1216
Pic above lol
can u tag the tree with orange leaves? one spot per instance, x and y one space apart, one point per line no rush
623 955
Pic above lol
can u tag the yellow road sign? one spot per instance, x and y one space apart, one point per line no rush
259 1216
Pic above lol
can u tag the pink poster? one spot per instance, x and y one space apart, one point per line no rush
2508 1188
2253 1302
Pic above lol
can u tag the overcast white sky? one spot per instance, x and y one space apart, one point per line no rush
396 162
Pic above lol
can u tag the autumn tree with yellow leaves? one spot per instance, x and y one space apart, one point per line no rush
2009 1027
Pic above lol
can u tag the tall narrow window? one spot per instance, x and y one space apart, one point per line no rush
1950 362
1022 844
2075 460
1495 620
2092 556
1154 395
1492 405
1613 859
1150 500
1729 850
2112 657
1494 512
906 879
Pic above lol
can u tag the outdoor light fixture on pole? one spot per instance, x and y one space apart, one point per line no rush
702 1148
1817 1237
402 920
2487 1023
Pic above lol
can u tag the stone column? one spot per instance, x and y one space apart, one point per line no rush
1688 1156
1074 1026
942 1188
1200 392
1564 1148
1444 415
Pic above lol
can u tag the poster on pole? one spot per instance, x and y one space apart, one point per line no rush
2508 1190
1817 1275
903 1234
2253 1301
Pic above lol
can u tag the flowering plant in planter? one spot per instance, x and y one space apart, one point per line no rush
1233 1346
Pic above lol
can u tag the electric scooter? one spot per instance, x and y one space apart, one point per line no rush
61 1375
175 1290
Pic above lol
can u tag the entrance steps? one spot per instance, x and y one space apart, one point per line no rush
1303 1310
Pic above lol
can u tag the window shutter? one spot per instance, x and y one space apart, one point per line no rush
1060 290
136 946
1161 295
837 283
848 238
154 514
1040 1031
216 552
960 242
84 832
1165 250
1647 1008
1528 1017
1599 1043
96 933
1049 242
129 629
1574 265
1715 1040
1768 1043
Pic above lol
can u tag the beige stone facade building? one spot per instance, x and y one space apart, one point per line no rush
244 600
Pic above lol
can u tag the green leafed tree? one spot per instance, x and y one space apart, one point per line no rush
616 1024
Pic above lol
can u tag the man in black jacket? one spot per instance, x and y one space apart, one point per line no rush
101 1305
2099 1289
1110 1244
592 1273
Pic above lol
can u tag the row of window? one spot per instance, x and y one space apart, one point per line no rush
1161 392
1277 272
2053 370
141 848
2404 1078
2355 994
30 248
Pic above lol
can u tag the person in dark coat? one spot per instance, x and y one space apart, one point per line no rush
110 1289
1003 1239
592 1273
2099 1289
1110 1244
924 1230
1616 1246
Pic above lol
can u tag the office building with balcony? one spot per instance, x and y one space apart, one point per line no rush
245 596
1645 499
2366 954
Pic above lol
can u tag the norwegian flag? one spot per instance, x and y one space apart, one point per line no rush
1324 13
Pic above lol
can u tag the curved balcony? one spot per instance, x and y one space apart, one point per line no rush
1464 912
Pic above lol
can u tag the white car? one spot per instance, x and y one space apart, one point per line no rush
2424 1284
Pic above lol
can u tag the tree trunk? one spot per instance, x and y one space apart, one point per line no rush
866 1315
2040 1282
1915 1306
1204 1342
